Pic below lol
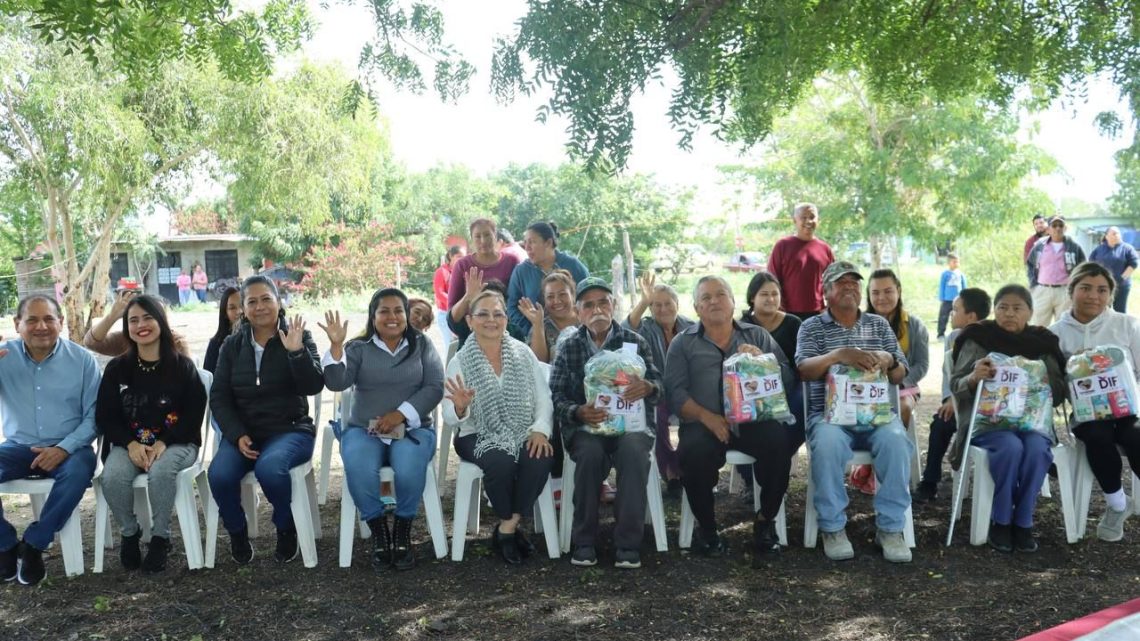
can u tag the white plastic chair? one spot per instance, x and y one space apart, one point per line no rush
1084 487
303 504
468 492
433 514
975 464
70 537
327 439
688 522
185 505
447 432
654 514
860 457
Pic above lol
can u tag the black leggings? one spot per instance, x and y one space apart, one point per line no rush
512 486
941 433
702 456
1100 439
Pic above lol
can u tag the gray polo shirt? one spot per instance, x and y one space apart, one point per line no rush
694 366
821 334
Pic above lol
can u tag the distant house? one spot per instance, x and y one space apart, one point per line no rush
226 258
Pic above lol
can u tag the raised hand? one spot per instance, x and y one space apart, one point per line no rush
334 328
121 302
474 281
648 280
291 337
459 394
534 313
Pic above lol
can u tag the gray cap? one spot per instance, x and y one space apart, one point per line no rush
839 269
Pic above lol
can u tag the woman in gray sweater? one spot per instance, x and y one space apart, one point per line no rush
398 379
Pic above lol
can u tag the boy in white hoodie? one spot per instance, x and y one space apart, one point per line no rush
1091 322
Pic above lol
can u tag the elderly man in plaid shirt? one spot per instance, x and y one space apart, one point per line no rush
594 454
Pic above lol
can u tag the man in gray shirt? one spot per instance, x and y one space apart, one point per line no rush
693 374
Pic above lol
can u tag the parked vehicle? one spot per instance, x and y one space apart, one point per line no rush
747 262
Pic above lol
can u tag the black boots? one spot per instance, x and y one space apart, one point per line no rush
765 542
403 556
156 552
381 542
129 553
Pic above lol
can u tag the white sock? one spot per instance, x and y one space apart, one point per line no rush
1116 501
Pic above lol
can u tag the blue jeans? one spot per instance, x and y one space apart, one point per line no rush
72 478
201 293
1018 462
444 330
279 454
363 456
832 446
183 296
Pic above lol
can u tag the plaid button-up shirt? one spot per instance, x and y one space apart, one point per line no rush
568 372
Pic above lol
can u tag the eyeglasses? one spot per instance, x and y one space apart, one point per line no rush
484 315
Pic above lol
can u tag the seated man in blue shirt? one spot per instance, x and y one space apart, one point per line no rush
842 335
47 399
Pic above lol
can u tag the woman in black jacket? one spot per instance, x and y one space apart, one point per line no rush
265 372
150 408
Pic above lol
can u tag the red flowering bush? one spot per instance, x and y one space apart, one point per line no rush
354 259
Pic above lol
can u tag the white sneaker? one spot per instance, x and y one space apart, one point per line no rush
894 546
1111 526
836 546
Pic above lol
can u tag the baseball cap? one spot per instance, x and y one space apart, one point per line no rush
1058 218
839 269
591 282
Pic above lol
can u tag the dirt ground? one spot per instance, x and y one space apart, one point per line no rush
958 593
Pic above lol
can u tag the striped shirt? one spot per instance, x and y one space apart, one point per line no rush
821 335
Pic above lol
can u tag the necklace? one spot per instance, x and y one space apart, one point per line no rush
147 366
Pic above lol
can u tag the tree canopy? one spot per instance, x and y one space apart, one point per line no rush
926 169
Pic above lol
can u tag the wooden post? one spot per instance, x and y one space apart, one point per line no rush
617 274
630 278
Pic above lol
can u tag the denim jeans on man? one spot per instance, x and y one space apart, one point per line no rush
72 477
832 446
277 456
364 455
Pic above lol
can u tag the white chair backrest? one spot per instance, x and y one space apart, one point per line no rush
346 406
207 424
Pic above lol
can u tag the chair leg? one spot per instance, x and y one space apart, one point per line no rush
982 501
300 477
466 493
433 513
102 512
249 501
566 513
71 544
546 516
811 518
348 518
210 508
1063 457
187 511
327 440
656 506
685 532
782 522
142 511
314 507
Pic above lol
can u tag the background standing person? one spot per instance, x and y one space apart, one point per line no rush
183 281
440 283
507 244
201 282
798 262
1120 259
950 284
1050 262
487 263
229 313
543 257
1040 230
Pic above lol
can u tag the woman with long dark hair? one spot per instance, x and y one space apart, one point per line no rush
266 372
884 297
229 313
150 407
398 380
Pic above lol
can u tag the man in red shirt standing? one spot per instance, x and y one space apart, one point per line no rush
798 262
440 282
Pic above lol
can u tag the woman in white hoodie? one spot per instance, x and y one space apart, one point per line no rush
1091 322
